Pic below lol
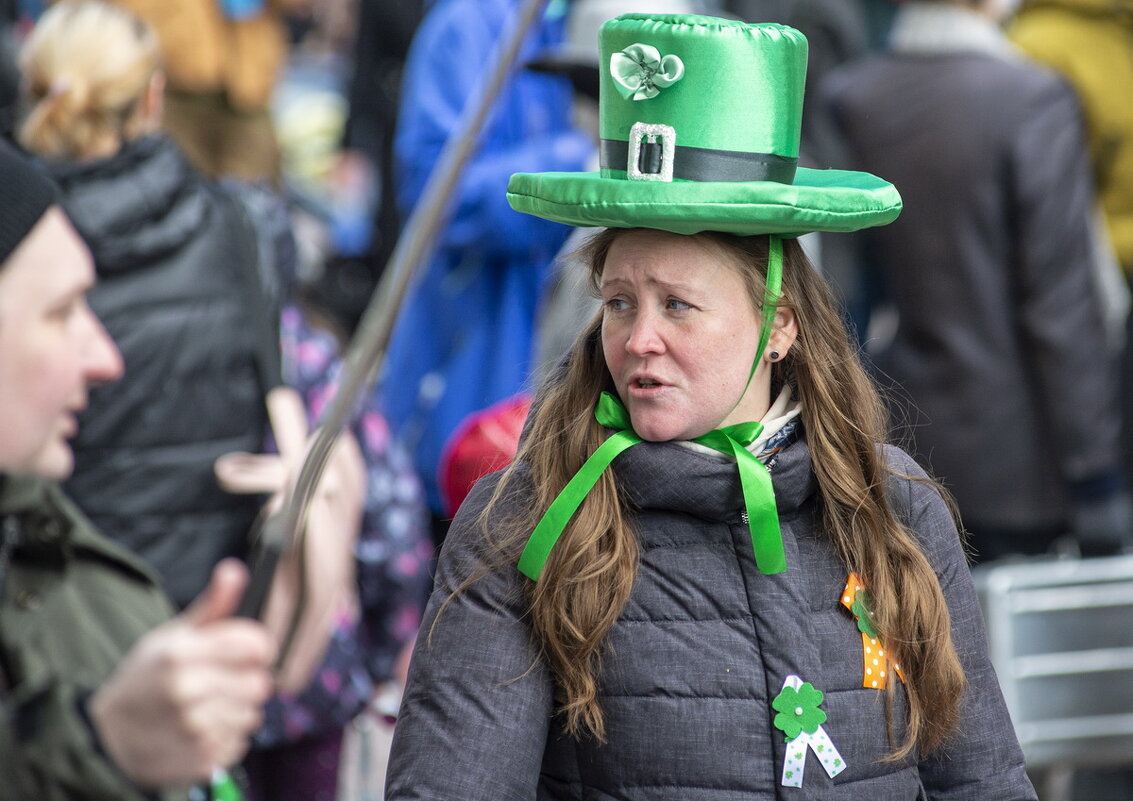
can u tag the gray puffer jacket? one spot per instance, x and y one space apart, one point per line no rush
692 665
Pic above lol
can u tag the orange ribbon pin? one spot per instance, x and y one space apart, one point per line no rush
875 663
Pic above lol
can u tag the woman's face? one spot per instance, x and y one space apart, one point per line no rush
679 334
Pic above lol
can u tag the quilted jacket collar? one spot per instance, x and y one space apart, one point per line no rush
668 476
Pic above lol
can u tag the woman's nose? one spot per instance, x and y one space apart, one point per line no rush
645 335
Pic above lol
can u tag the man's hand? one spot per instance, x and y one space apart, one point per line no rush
187 697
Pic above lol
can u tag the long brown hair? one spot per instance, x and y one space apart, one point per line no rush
588 578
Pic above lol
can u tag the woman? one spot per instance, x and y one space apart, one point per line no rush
735 609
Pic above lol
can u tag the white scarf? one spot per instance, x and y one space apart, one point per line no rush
928 28
782 411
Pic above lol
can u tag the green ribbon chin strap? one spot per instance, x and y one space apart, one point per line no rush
774 284
759 496
611 414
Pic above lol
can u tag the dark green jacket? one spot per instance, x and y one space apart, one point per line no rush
71 605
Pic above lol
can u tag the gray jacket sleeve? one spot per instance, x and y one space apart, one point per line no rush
474 719
983 760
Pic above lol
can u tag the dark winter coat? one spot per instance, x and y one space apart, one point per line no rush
72 605
168 251
464 337
693 663
999 344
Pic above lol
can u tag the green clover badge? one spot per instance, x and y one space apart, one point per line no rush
798 710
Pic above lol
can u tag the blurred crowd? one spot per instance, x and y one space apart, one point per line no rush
241 171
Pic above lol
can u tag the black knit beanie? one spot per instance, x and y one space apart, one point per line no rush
25 194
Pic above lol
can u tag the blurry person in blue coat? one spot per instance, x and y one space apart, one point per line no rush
464 338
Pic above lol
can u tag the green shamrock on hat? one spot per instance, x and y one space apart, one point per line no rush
798 710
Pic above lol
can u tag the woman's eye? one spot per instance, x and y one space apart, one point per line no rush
673 304
617 304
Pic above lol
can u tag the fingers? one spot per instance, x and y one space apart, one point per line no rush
183 666
231 644
219 708
213 732
190 693
244 473
227 666
288 417
167 716
213 697
221 597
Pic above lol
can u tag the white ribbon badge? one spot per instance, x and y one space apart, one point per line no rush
794 761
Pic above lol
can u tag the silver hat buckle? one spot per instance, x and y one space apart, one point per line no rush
649 159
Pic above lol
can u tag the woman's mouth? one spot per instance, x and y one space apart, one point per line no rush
645 387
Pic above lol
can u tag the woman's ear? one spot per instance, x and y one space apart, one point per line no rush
784 331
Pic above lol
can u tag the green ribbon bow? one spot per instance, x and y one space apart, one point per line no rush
639 71
755 480
759 496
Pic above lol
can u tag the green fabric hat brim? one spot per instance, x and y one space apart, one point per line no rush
818 200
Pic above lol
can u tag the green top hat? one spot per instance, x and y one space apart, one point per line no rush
700 120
